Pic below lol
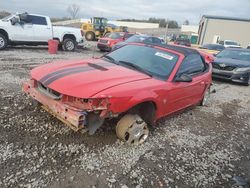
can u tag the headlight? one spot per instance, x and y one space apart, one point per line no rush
245 69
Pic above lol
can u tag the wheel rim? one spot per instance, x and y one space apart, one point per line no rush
132 129
2 42
206 98
89 36
69 45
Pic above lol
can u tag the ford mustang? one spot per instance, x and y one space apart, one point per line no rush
137 84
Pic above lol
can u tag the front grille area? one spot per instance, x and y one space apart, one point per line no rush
222 75
103 41
226 68
49 92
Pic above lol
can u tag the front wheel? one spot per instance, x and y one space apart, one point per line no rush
206 98
69 45
90 36
248 83
3 42
132 129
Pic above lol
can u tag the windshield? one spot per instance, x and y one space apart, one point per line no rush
235 54
136 38
231 43
116 35
157 63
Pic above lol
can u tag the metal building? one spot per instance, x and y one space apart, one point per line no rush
215 28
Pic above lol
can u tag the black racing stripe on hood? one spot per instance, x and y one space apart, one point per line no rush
43 79
58 76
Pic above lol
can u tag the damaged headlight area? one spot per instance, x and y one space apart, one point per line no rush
89 104
77 113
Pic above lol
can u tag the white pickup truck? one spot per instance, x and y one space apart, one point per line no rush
33 29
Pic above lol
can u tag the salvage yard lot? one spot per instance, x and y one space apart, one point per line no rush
200 147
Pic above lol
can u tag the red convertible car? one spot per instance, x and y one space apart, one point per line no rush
137 84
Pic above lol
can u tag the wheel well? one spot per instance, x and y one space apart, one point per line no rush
146 110
69 36
3 32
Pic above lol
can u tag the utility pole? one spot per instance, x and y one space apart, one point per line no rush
166 31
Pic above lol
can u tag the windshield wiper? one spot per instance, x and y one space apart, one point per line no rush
111 59
134 66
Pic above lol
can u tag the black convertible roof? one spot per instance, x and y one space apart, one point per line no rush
183 50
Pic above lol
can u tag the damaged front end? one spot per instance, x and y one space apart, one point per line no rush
77 113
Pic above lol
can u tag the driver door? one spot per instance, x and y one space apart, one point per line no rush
22 31
184 94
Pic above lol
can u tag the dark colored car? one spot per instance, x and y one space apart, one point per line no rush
217 47
138 38
233 64
183 42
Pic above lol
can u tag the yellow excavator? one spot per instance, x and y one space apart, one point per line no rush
98 27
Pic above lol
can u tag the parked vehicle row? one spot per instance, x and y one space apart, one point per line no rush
33 29
117 40
107 42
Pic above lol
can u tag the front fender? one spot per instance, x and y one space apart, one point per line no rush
123 104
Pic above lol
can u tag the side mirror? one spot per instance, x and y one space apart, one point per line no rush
183 78
15 20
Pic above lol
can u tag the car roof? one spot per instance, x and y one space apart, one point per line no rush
183 50
213 45
239 49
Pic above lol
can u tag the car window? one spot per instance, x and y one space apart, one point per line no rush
127 35
148 40
37 20
191 65
221 42
156 40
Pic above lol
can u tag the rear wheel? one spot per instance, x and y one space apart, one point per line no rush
90 36
3 42
132 129
69 44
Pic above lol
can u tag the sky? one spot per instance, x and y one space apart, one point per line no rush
179 10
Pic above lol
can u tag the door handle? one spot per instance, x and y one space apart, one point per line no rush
202 83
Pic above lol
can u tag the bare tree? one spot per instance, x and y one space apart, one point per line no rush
73 10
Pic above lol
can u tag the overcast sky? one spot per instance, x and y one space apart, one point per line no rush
179 10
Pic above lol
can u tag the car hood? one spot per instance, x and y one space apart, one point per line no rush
84 78
232 62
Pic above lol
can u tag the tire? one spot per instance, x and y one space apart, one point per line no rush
132 129
3 42
90 36
248 83
206 97
69 44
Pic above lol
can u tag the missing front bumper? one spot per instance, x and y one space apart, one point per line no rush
72 117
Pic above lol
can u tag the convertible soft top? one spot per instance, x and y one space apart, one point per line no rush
184 50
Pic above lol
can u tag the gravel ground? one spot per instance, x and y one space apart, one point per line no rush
200 147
